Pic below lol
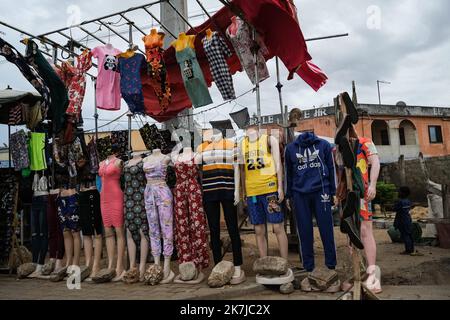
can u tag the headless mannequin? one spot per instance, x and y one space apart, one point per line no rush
92 249
59 262
154 39
187 155
237 176
158 157
130 242
232 29
127 54
260 231
72 240
184 41
119 235
209 34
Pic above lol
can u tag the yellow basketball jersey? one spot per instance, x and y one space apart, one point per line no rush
260 170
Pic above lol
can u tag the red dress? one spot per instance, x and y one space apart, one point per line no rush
111 197
190 222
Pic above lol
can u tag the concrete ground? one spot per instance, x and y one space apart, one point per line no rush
403 277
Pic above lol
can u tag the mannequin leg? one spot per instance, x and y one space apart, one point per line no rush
76 248
282 239
260 234
120 233
88 249
131 249
68 245
110 246
231 220
98 246
144 254
212 209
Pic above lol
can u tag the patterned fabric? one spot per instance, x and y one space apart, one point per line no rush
190 221
159 78
68 213
193 78
130 82
15 115
93 156
120 138
135 214
12 55
217 51
75 81
104 148
19 150
241 42
58 91
159 207
366 149
152 137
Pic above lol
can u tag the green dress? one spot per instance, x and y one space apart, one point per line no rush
194 81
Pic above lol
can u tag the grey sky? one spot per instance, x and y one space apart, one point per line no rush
410 49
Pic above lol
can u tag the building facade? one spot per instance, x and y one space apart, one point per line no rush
395 129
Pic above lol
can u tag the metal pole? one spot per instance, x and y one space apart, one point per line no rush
379 94
279 86
9 147
94 80
160 23
258 94
180 15
131 24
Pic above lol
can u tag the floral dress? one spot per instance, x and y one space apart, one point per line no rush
135 214
190 221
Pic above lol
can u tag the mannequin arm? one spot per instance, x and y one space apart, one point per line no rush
237 180
275 147
374 162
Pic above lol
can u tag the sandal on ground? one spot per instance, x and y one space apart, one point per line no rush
373 282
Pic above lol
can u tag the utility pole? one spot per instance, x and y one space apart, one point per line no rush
176 25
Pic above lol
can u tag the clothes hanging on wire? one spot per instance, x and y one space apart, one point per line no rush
108 79
242 41
217 51
37 151
32 115
58 91
120 139
19 150
152 137
192 74
16 115
157 71
12 55
104 148
130 82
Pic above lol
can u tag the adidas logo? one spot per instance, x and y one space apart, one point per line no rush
325 198
308 155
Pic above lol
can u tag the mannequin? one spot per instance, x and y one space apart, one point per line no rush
209 33
232 29
135 210
159 206
91 221
263 187
184 41
55 235
189 216
221 178
311 185
111 198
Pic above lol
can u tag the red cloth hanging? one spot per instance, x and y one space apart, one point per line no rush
275 20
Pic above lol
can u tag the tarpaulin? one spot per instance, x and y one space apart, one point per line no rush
275 20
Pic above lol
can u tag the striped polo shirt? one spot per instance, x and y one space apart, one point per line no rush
218 170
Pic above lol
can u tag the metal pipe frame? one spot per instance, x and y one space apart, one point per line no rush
160 23
131 22
117 34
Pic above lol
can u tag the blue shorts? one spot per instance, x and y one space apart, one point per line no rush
264 208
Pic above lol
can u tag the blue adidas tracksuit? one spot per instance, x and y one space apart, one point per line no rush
311 184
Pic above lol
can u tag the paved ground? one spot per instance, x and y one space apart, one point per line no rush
403 277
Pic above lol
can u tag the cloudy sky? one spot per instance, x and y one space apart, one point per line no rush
405 42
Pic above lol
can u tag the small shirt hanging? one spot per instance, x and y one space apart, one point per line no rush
217 51
108 80
157 71
193 78
130 66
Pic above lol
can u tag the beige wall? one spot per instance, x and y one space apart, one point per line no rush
137 143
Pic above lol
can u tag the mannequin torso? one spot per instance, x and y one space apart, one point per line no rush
184 41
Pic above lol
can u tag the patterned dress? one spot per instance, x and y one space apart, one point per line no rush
217 51
190 221
241 42
134 205
130 82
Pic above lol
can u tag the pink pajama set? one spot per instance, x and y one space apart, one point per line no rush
159 207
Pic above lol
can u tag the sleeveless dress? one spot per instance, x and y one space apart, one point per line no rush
134 206
111 196
190 222
159 207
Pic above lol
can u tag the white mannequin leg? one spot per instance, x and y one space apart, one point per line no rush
144 253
